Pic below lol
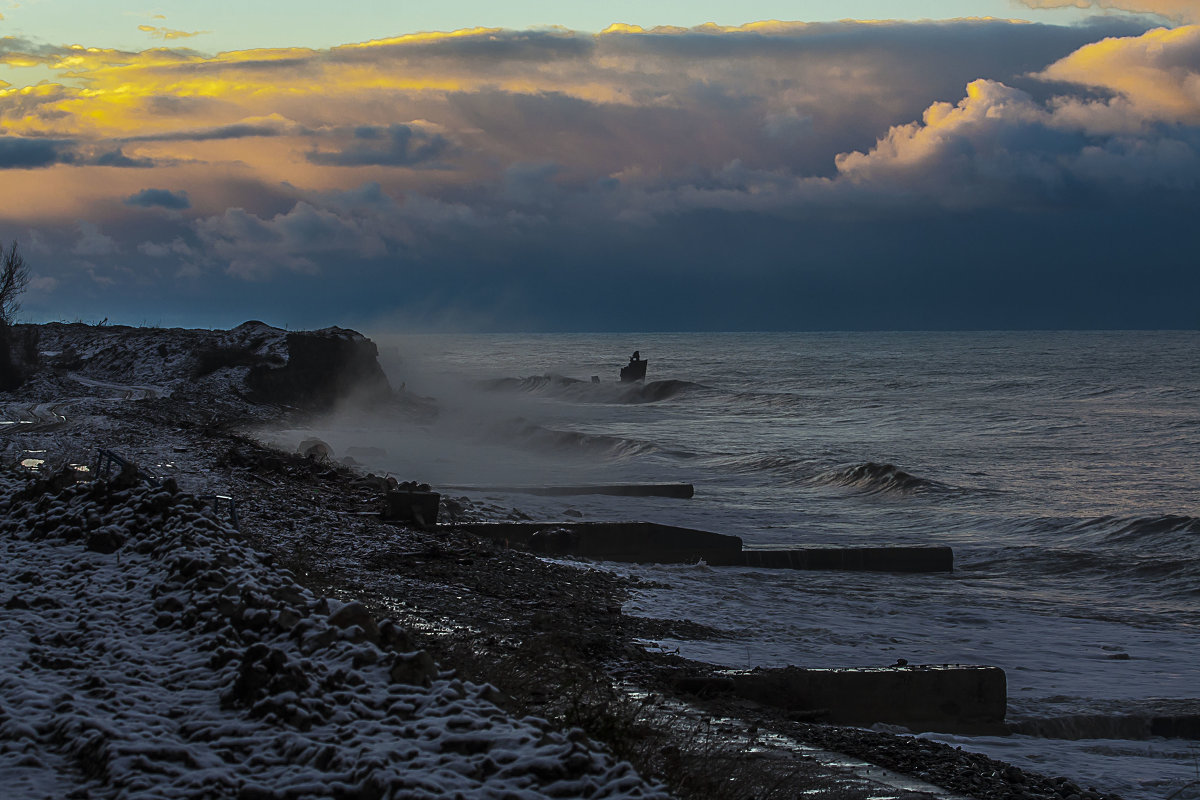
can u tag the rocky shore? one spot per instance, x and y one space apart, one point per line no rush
150 652
179 656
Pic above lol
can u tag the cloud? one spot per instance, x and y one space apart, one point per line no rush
996 134
18 152
1176 10
43 283
21 153
268 127
168 34
763 159
92 241
997 147
1000 145
177 247
390 146
117 158
159 198
297 241
1157 74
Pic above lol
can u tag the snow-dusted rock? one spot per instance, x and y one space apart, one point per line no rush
182 664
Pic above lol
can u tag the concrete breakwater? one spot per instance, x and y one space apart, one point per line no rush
650 542
948 698
951 698
681 491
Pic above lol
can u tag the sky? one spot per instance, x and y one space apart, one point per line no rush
537 166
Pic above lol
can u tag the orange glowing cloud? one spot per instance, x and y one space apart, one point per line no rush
1157 74
510 131
997 143
948 136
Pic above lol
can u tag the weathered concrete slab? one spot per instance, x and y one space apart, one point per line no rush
412 506
951 698
1178 726
646 542
652 543
870 559
683 491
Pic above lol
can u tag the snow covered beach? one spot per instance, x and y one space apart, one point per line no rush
150 653
499 616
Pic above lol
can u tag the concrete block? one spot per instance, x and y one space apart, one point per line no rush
1178 726
412 506
652 543
870 559
682 491
645 542
951 698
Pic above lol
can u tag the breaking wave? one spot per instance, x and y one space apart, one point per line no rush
1154 552
577 391
528 434
790 470
875 478
656 391
1164 528
1168 532
1111 726
869 477
748 465
533 383
1159 572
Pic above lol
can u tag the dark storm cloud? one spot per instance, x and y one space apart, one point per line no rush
301 240
241 130
159 198
117 158
391 146
21 153
955 174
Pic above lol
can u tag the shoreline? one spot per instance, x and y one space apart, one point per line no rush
551 637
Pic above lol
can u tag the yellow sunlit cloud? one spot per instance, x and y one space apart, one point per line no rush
424 37
912 145
453 111
1155 72
169 33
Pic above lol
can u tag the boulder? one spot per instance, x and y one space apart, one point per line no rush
323 367
415 669
355 614
105 541
315 449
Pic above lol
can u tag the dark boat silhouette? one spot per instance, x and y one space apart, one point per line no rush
635 370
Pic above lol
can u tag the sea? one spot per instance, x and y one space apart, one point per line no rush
1063 468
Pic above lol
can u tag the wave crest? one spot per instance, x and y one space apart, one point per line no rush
577 391
875 478
529 434
532 383
1168 530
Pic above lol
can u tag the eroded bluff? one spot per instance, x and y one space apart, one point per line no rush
322 367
